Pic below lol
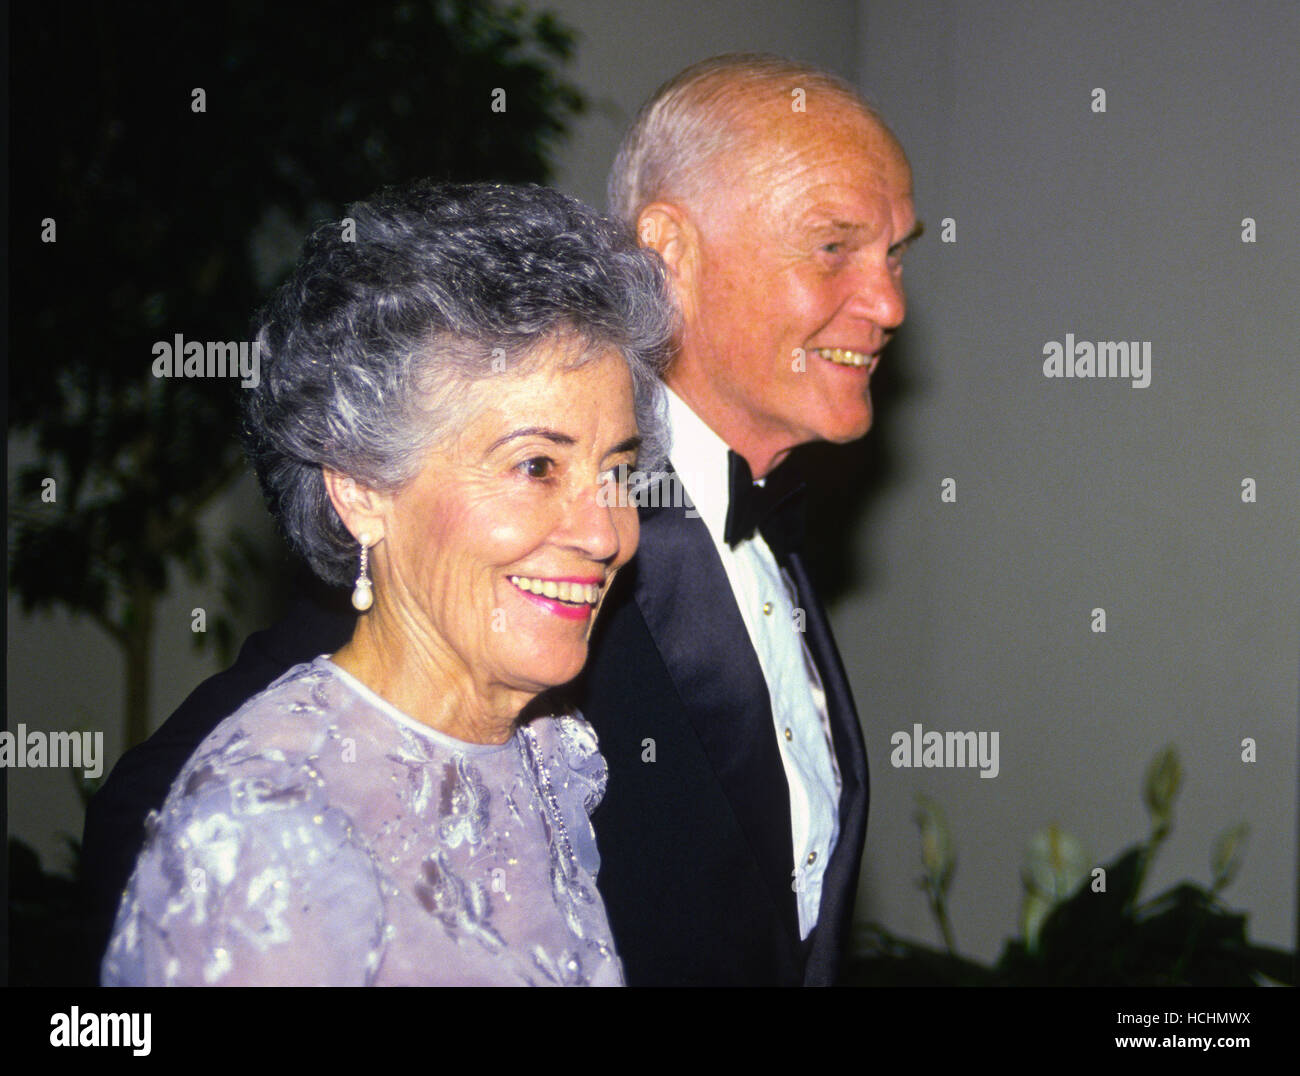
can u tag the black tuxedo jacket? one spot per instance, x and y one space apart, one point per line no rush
694 831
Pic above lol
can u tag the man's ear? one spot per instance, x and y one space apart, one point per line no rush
360 507
668 229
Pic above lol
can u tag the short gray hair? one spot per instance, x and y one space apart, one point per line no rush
409 296
698 115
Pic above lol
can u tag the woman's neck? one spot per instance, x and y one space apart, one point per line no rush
424 678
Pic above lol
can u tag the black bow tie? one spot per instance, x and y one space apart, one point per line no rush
775 508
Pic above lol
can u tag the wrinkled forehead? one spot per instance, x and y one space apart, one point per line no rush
786 157
778 138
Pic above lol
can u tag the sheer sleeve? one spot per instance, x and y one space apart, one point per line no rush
249 878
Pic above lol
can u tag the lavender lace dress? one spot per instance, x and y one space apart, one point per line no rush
320 836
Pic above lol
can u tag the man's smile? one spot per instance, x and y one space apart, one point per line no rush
842 356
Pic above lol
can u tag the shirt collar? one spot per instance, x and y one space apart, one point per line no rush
699 456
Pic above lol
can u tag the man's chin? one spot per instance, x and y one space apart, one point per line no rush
844 432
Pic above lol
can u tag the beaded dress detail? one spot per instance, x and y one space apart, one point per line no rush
320 836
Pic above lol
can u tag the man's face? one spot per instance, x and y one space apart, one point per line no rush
797 284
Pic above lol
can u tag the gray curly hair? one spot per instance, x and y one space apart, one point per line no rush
416 293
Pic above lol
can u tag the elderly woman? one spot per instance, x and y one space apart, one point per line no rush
454 379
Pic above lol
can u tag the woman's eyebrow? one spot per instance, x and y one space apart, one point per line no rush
554 436
628 444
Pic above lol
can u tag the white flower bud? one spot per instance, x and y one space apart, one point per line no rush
1160 788
937 856
1229 851
1055 864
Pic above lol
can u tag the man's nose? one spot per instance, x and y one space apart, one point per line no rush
878 295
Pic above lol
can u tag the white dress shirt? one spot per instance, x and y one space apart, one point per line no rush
765 596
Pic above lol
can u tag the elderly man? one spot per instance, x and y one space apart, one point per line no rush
732 831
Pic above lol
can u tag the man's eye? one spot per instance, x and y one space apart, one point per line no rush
539 467
833 248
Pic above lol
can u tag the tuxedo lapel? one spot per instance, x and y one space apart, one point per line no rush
840 883
687 603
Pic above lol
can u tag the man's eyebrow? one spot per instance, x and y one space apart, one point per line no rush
850 227
839 226
918 229
554 436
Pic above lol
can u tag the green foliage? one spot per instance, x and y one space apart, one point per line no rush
171 220
1182 937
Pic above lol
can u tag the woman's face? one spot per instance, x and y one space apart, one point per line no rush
497 554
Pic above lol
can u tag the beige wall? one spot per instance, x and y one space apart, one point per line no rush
1078 494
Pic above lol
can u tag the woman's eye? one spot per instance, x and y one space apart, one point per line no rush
539 467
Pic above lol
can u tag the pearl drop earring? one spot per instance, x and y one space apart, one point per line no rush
363 594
